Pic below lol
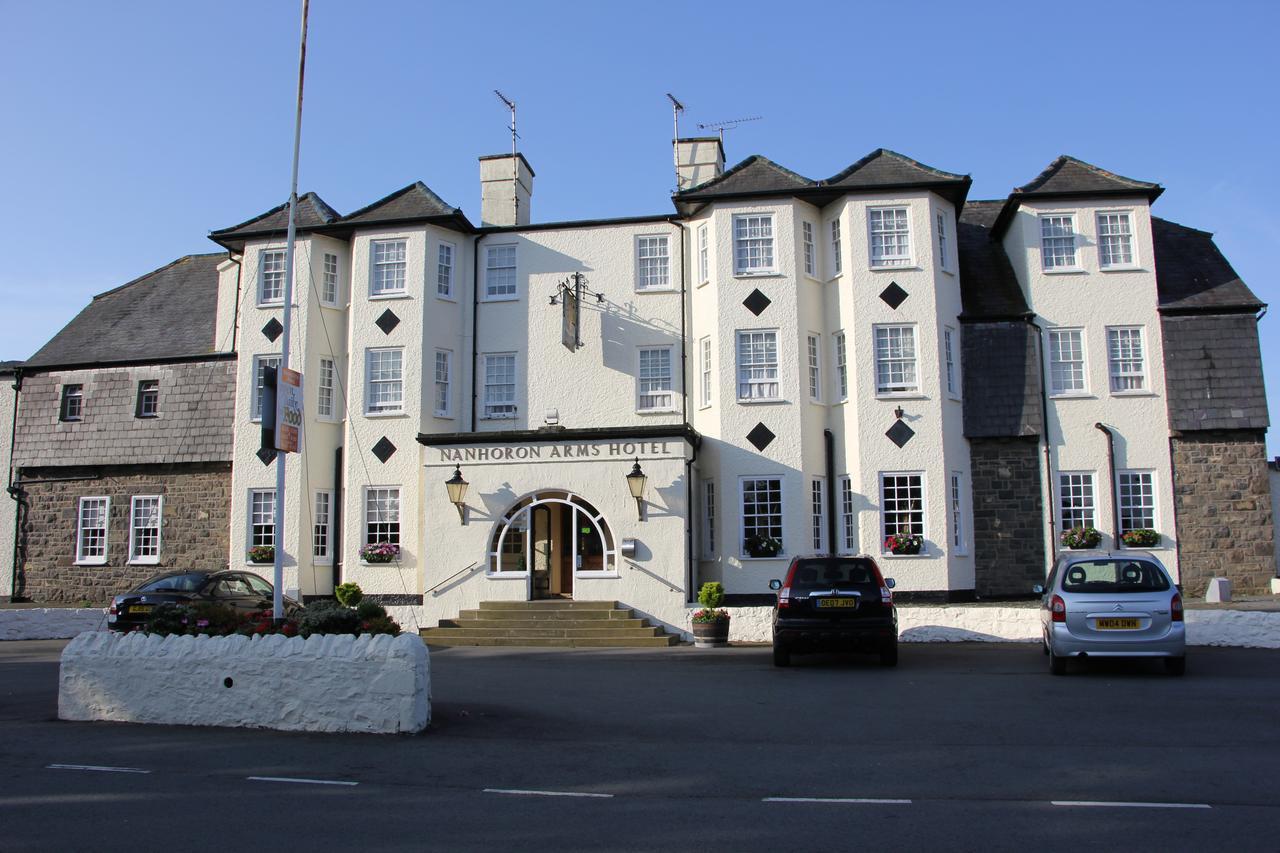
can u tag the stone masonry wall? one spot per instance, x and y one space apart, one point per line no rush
1008 515
194 528
1222 495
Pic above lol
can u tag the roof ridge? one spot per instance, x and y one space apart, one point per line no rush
881 152
147 275
741 166
395 194
311 194
1063 159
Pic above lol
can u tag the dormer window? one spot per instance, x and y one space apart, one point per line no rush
890 237
1058 242
753 244
271 277
1115 240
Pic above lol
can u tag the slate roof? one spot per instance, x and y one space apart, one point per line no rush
1068 177
165 314
412 203
8 367
1001 380
988 286
1213 372
1192 274
882 169
312 212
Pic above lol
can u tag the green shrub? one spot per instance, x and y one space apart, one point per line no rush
348 593
199 618
370 610
328 617
711 595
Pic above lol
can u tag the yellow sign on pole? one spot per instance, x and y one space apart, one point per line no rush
289 411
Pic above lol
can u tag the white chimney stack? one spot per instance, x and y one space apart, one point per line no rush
506 186
698 159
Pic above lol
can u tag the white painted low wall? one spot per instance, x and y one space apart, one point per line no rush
334 683
50 623
960 624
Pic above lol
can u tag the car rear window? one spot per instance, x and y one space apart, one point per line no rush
834 574
1112 576
181 583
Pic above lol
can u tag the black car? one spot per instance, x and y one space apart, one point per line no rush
244 592
834 604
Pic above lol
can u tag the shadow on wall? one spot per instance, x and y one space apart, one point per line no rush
622 330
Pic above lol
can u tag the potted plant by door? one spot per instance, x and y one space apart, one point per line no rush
1078 538
711 623
759 545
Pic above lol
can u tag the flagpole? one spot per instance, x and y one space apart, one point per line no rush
277 603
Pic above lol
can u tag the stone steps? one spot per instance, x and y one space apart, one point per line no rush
552 623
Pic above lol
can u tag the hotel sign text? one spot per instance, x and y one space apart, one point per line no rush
535 452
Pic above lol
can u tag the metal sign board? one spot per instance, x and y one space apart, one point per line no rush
289 411
570 315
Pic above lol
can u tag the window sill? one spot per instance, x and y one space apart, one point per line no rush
1142 393
145 561
667 289
589 575
761 401
332 306
1064 271
901 395
444 416
749 559
758 274
386 297
665 411
446 298
322 561
907 266
94 562
395 562
251 564
813 278
270 306
327 419
951 273
400 414
1073 395
924 554
497 417
955 398
1129 268
514 297
506 576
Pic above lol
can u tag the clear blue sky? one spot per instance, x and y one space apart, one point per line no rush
132 129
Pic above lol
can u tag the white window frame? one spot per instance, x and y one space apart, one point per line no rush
369 493
446 266
704 262
1127 216
709 519
848 518
326 385
950 362
837 253
1058 365
745 379
781 515
841 358
1050 252
330 284
813 360
1081 488
810 248
322 526
270 257
136 559
645 393
259 362
885 532
956 505
393 404
764 260
1124 507
440 384
251 518
490 268
1119 370
885 244
488 413
388 277
818 514
148 392
704 353
944 253
98 557
71 391
653 263
910 384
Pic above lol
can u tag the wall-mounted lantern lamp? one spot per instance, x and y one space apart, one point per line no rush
635 482
458 492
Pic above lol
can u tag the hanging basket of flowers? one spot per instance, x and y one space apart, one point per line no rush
1081 537
1143 537
904 543
380 552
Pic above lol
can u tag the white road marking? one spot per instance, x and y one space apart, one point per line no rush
300 781
95 768
856 800
524 793
1106 805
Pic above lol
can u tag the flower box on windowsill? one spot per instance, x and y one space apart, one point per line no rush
1140 538
262 555
904 544
762 547
1081 538
379 553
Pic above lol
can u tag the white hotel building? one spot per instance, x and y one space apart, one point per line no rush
821 362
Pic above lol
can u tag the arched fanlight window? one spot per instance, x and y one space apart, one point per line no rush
590 543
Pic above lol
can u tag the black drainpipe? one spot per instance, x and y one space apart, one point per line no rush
235 317
1044 432
475 323
15 492
1111 468
692 511
335 517
829 440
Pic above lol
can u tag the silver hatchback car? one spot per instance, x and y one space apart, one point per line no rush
1112 604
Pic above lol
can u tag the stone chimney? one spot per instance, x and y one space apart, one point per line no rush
506 185
698 159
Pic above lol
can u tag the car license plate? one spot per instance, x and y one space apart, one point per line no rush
836 602
1118 624
140 608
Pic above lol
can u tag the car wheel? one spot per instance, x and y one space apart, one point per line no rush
1175 666
781 655
1057 664
889 653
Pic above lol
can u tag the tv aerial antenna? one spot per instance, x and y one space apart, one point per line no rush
515 165
721 126
676 109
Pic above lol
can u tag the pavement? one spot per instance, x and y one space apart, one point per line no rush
962 747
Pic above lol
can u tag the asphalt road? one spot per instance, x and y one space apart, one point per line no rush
962 747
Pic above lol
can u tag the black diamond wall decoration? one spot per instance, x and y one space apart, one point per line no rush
267 455
383 449
756 302
387 321
272 330
893 295
900 433
761 436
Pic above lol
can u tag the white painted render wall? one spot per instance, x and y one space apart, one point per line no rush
1093 299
